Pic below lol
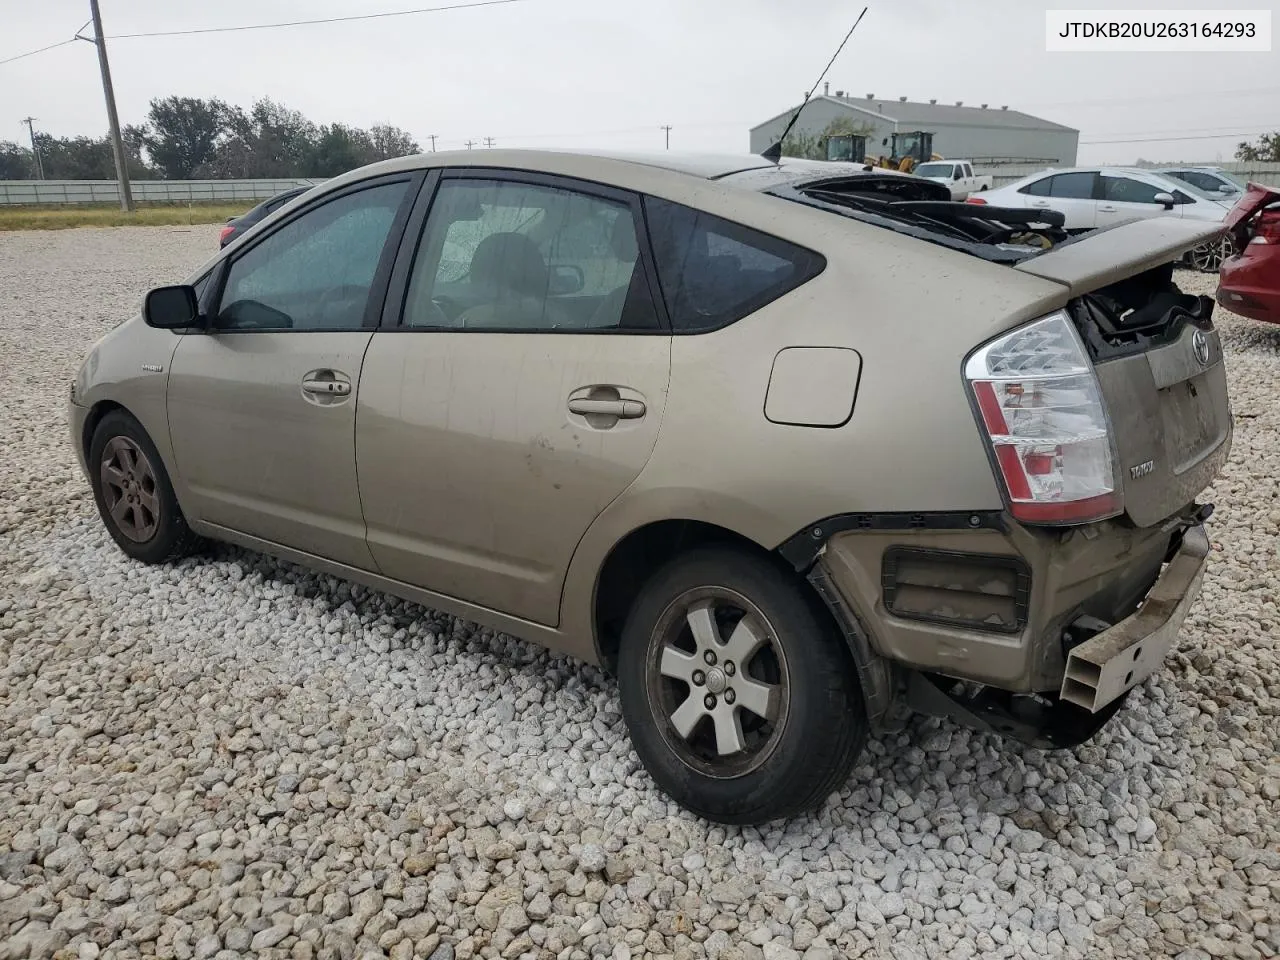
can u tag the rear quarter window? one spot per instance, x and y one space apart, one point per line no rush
714 272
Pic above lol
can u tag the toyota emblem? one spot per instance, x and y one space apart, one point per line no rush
1200 344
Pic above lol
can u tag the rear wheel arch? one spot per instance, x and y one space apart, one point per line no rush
637 556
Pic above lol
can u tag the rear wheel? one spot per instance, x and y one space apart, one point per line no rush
134 496
741 699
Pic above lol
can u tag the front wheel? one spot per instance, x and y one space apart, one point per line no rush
132 489
741 699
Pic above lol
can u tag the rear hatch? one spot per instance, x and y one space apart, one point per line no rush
1157 355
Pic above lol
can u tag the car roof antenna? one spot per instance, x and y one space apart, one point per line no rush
774 152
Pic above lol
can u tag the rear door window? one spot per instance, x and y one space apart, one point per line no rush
528 257
1038 189
1072 186
714 272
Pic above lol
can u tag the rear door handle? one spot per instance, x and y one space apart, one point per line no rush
623 409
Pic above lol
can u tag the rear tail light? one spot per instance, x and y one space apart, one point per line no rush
1267 229
975 200
1041 408
226 232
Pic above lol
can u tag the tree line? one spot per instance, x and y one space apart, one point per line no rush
189 138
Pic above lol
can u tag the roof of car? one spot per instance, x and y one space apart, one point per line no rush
747 170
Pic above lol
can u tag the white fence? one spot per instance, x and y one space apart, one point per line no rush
149 191
1268 173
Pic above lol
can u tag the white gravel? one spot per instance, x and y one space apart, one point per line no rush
235 756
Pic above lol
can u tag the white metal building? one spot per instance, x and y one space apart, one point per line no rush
978 132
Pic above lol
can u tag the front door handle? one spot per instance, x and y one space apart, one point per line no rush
623 409
328 388
1107 209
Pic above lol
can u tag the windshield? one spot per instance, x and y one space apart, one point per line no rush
906 144
934 170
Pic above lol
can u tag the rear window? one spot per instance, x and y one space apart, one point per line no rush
713 271
934 170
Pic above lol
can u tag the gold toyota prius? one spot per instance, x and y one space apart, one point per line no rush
783 444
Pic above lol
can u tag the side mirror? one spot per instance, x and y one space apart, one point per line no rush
1229 191
171 308
956 175
1166 199
566 278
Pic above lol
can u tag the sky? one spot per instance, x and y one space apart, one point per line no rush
611 73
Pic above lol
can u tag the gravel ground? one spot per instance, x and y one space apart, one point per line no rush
235 756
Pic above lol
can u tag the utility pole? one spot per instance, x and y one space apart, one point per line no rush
667 131
117 144
488 141
470 144
35 149
432 138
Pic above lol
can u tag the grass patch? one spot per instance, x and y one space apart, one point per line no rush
63 216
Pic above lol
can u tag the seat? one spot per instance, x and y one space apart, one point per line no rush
512 278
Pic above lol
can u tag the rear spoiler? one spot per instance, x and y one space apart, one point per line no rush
1097 259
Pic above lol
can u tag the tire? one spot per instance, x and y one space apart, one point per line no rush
124 463
751 607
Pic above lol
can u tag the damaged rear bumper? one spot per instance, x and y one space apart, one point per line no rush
1122 656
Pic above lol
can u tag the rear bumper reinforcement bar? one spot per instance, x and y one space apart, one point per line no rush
1119 658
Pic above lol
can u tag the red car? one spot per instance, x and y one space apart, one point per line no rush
1249 282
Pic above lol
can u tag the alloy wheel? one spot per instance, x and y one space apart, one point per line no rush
1208 257
129 489
717 682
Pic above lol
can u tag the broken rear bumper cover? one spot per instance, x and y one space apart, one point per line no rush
1033 634
1119 658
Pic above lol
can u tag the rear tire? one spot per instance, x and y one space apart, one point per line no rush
134 495
741 699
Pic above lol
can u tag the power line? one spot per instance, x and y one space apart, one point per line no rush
306 23
32 53
1205 136
269 26
1156 99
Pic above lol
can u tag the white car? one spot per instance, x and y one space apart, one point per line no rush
956 175
1208 180
1092 197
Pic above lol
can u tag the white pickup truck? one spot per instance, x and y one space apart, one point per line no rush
956 174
